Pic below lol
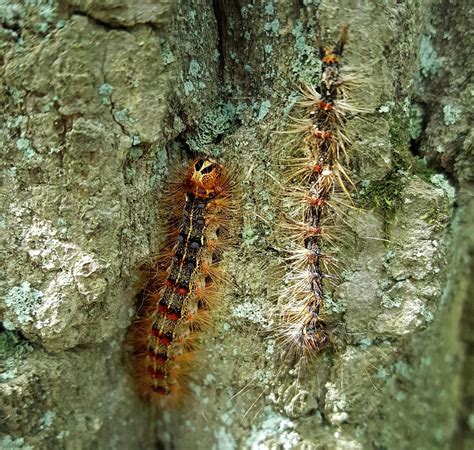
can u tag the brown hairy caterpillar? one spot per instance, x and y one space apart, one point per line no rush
184 283
317 177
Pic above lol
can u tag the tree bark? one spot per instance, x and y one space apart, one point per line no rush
101 99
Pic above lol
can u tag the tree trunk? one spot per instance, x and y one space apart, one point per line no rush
100 99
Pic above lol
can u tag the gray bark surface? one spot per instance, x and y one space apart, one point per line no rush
101 98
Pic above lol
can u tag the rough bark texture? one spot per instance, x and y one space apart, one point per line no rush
100 98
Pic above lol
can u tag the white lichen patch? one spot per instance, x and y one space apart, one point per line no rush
249 311
298 402
224 439
270 350
402 320
86 273
336 404
44 247
352 391
274 431
210 379
343 443
73 278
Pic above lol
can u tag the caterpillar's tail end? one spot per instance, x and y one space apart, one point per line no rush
169 395
174 400
309 339
315 336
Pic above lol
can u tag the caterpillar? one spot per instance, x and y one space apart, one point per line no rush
317 177
184 283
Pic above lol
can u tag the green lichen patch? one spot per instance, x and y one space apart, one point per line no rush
306 66
429 59
415 123
47 420
9 443
105 91
38 16
12 345
214 124
452 114
263 110
23 301
440 181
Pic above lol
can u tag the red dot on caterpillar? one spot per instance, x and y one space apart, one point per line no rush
156 373
326 106
315 201
320 134
314 230
164 340
162 305
173 316
182 291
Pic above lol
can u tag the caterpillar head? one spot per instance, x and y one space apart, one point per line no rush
205 174
329 56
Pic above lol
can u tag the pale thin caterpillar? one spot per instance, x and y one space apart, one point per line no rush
317 186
